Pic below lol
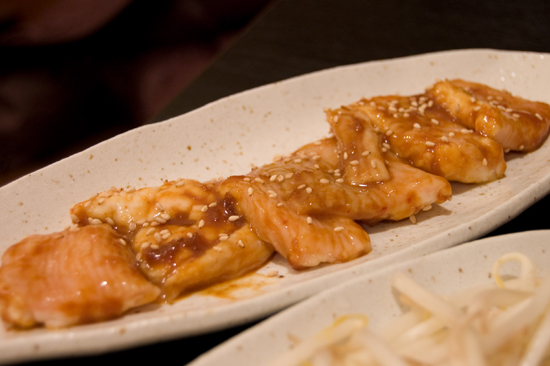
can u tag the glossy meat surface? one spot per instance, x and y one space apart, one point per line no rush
76 276
183 233
299 210
419 131
516 123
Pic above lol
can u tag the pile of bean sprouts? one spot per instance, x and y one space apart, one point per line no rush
506 323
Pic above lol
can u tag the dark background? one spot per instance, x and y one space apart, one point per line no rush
148 61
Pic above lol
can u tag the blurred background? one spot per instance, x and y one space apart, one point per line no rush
74 73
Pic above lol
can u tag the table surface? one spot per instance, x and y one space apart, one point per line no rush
293 37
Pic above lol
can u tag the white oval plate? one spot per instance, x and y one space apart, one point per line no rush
444 272
224 138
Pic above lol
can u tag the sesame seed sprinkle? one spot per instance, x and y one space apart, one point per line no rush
339 180
484 162
189 235
159 206
95 221
150 231
259 180
204 208
417 126
373 164
477 108
434 121
110 221
280 204
201 223
302 186
75 219
234 218
538 116
272 273
309 190
309 220
289 175
413 219
365 153
213 204
430 143
158 237
250 191
389 132
354 162
339 228
324 181
273 177
240 243
154 246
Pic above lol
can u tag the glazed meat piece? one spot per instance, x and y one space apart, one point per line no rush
359 148
184 234
516 123
419 131
302 206
76 276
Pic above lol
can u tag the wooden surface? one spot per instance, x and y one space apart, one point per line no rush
300 36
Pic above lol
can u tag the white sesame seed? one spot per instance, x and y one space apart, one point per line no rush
154 246
122 241
354 162
259 180
309 220
217 248
272 195
158 237
417 126
189 235
373 163
345 155
280 204
131 189
280 179
273 177
339 180
159 206
100 201
246 179
430 143
240 243
444 139
201 223
309 190
473 99
316 166
110 221
289 175
224 237
339 228
521 148
302 186
213 204
434 121
324 181
204 208
427 208
484 162
515 115
465 130
160 220
477 108
87 204
389 132
316 158
451 134
150 231
165 216
413 219
179 183
365 153
164 232
297 161
138 256
75 219
250 191
538 116
234 218
95 221
146 245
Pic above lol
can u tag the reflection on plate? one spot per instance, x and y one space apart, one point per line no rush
224 138
444 272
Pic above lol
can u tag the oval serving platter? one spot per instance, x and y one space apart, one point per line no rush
224 138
